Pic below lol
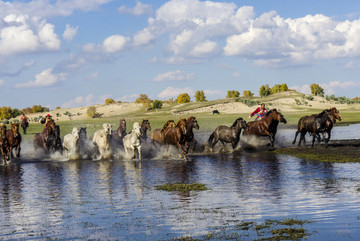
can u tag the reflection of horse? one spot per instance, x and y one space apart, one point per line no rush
267 126
157 135
101 139
118 135
145 126
132 140
174 136
226 134
4 144
24 125
71 144
316 124
47 139
191 123
14 138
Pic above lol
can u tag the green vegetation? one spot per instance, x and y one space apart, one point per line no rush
109 101
91 112
144 100
264 90
232 94
179 187
157 104
200 96
183 98
248 93
317 90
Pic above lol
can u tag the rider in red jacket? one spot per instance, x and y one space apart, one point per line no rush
260 112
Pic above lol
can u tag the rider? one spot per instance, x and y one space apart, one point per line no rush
260 112
24 118
46 120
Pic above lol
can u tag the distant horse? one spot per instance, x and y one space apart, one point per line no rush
71 144
47 139
118 135
226 134
145 126
85 145
132 140
157 135
216 112
267 126
24 125
316 124
101 140
4 145
14 138
175 136
191 123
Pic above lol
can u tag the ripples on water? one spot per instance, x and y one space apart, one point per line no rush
115 199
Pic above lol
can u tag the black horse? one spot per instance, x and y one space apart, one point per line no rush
216 112
145 126
226 134
24 125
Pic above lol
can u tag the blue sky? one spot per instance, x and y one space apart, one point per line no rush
72 53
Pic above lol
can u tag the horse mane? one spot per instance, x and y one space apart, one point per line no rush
235 123
167 124
321 114
190 118
182 120
270 111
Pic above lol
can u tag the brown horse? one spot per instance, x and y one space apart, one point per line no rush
267 126
118 135
174 136
191 123
14 139
145 126
157 135
47 138
4 144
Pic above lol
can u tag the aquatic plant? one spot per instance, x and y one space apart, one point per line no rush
181 187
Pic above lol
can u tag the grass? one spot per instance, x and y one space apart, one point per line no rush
179 187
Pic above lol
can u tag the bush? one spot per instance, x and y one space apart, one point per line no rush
200 96
248 93
5 121
157 104
143 99
183 98
109 101
5 112
317 90
39 108
91 112
309 97
232 94
264 90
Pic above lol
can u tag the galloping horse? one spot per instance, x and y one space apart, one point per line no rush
266 126
14 138
226 134
132 140
46 140
145 126
157 135
118 135
4 144
191 123
101 139
71 144
24 125
174 136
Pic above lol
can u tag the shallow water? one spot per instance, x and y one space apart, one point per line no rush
116 199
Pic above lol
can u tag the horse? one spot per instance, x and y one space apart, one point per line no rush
267 126
226 134
118 135
24 125
132 140
175 136
191 123
46 140
145 126
157 135
101 140
85 145
14 138
216 112
315 124
71 144
4 145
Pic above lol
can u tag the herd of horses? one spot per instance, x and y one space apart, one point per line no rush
106 141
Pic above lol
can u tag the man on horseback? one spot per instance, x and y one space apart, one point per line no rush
24 122
46 121
260 112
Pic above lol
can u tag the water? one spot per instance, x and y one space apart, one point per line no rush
116 199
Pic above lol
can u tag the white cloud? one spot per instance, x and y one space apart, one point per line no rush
331 87
114 43
214 94
302 89
172 92
85 101
2 82
173 76
143 37
70 32
204 48
129 98
44 79
139 9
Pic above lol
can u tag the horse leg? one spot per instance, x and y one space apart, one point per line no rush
139 150
187 147
272 139
296 134
195 142
18 149
215 140
182 150
328 139
133 150
313 141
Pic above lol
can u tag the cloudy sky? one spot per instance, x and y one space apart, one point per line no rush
79 52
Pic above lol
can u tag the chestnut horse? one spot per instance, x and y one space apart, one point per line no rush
46 139
118 135
157 135
174 136
145 126
14 139
4 144
191 123
267 126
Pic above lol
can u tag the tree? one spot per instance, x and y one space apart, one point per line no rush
109 101
200 96
232 94
248 93
27 110
264 90
284 87
38 108
91 112
157 104
276 89
317 90
15 112
183 98
143 99
5 113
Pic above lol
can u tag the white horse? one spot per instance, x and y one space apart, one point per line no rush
102 140
71 145
132 140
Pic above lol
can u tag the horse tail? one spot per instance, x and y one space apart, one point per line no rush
211 138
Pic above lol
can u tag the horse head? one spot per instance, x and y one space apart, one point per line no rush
335 113
107 128
122 124
3 131
191 122
136 128
277 115
50 129
182 125
15 129
146 124
240 122
75 133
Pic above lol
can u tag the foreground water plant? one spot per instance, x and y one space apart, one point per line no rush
181 187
